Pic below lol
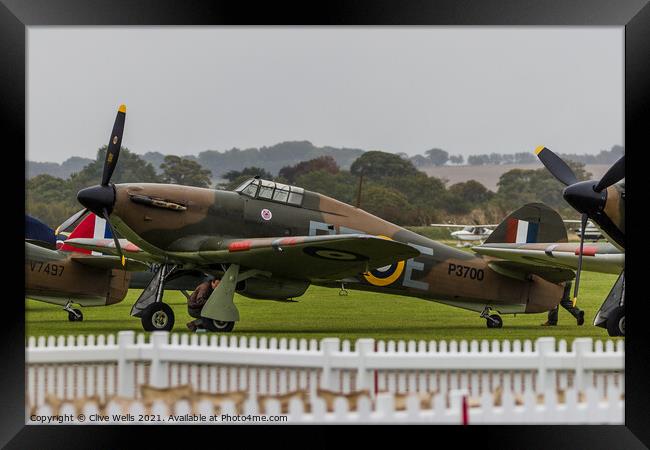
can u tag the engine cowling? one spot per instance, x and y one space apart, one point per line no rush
271 289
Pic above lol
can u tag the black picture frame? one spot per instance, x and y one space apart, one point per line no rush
16 15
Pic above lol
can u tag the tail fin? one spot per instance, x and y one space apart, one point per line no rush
91 226
532 223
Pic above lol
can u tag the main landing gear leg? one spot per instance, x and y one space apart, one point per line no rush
154 314
492 321
219 312
74 315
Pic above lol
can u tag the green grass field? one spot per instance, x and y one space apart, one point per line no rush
321 312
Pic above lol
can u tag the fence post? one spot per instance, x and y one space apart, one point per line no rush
125 367
329 345
158 370
455 411
581 347
544 346
365 379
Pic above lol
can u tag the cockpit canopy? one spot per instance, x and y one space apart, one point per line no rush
270 190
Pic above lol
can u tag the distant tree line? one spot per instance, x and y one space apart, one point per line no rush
286 154
604 157
53 199
63 170
272 158
393 188
435 157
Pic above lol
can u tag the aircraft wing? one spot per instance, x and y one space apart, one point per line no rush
110 262
107 246
604 258
325 257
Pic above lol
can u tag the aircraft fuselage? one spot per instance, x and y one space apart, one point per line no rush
170 218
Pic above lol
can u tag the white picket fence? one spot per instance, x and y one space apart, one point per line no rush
105 366
383 409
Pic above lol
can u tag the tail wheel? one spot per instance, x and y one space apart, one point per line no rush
616 322
218 325
494 321
158 317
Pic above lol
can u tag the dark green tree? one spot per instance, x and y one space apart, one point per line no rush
177 170
249 172
437 156
130 169
376 164
456 159
324 163
520 186
478 160
341 185
419 161
471 191
50 199
387 203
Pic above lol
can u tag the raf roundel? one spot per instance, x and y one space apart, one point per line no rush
266 214
333 254
383 276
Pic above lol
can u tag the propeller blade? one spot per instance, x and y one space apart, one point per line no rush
113 151
583 224
615 174
558 168
115 239
70 220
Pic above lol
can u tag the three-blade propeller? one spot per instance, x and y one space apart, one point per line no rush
565 175
96 198
586 197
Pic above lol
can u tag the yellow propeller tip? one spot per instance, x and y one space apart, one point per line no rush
56 231
123 261
122 108
539 149
575 300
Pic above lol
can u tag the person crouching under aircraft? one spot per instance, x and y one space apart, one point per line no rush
567 304
196 301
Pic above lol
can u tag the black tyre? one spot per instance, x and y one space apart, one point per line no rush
616 322
78 317
218 325
494 321
158 317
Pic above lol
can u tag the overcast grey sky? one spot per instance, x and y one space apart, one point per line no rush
465 90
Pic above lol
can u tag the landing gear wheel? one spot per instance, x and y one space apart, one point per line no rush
75 315
494 321
616 322
157 317
218 325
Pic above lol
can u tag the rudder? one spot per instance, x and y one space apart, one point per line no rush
530 224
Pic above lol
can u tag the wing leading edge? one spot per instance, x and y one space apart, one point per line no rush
604 258
304 257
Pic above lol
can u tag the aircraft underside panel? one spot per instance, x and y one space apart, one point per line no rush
88 301
479 307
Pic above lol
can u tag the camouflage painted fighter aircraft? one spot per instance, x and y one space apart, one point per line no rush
65 276
601 201
60 274
271 241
